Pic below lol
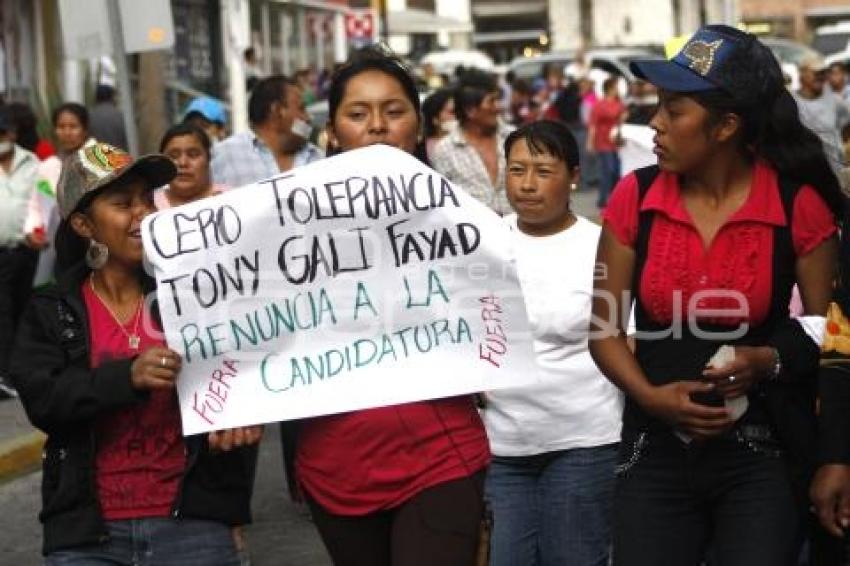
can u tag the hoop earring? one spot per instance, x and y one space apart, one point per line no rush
96 255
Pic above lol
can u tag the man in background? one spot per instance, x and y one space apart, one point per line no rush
276 142
837 78
820 110
106 123
472 155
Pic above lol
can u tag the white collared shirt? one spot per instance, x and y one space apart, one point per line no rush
17 191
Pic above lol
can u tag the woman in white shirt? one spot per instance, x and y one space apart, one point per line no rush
554 444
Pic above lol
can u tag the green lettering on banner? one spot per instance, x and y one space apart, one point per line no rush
239 333
463 329
341 362
363 352
435 287
325 306
400 334
362 300
444 329
296 373
358 361
281 319
264 375
193 341
420 344
318 369
387 348
215 339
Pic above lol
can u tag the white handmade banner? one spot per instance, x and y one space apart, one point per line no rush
362 280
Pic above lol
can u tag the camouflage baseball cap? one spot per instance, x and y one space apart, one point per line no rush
94 166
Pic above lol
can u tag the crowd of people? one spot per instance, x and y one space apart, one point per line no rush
634 447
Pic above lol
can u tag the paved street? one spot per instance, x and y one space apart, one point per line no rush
280 536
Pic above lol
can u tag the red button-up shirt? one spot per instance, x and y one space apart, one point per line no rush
682 276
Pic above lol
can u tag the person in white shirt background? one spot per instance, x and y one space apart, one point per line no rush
554 444
21 237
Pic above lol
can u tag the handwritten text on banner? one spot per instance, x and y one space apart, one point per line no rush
361 280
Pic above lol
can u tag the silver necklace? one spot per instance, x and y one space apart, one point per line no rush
133 339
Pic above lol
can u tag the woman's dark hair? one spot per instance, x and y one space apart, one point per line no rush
547 136
70 248
472 87
185 129
431 108
772 130
25 124
264 94
371 58
77 110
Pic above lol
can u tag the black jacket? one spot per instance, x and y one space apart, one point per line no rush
63 397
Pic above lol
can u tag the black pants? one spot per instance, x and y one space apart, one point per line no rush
438 526
17 269
722 501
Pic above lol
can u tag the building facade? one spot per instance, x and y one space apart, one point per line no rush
608 23
796 19
413 28
505 29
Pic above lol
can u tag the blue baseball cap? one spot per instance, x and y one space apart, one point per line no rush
211 109
715 57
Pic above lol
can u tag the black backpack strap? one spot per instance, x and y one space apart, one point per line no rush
784 256
645 177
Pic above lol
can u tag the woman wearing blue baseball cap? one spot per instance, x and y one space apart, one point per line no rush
716 448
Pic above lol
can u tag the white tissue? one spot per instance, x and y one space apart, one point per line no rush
726 355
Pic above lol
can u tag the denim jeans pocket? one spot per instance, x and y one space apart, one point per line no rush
632 447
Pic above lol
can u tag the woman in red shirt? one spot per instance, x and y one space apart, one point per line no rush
742 205
399 485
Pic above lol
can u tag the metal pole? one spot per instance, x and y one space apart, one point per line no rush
267 39
385 27
285 34
319 34
301 22
236 32
380 6
729 12
120 58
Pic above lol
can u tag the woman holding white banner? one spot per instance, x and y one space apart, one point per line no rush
399 485
551 482
93 372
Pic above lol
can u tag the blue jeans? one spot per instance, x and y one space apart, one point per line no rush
552 508
155 542
609 174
